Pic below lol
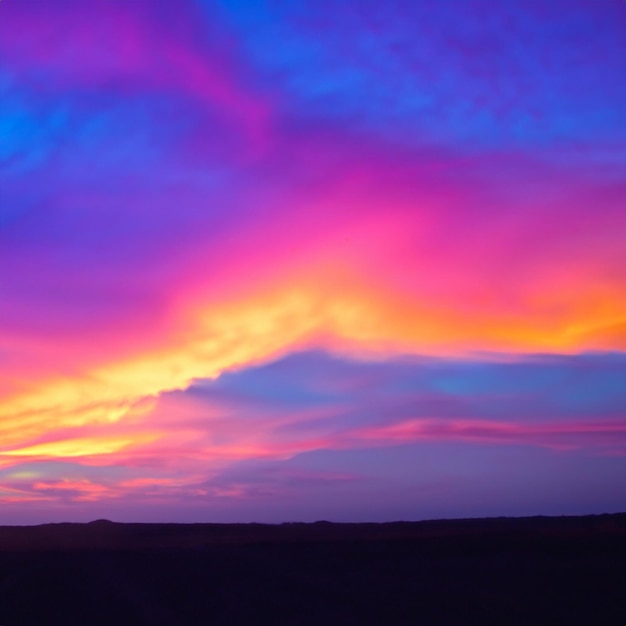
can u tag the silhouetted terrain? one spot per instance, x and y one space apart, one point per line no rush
502 571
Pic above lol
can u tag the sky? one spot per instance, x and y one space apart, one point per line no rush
289 261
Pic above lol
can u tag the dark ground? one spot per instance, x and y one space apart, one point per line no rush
505 572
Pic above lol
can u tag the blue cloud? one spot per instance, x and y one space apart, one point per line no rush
528 388
481 75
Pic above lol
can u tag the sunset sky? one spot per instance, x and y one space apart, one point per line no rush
274 261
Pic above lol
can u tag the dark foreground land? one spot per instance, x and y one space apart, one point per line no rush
505 572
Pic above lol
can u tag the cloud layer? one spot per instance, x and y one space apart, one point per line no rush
246 438
192 189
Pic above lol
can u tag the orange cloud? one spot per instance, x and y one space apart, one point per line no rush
346 316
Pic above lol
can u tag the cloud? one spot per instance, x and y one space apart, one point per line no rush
525 75
234 437
201 201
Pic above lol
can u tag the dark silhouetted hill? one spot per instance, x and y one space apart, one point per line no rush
513 571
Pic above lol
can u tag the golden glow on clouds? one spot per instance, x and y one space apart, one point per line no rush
344 316
80 447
